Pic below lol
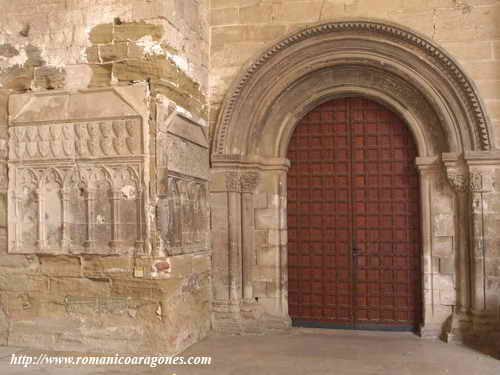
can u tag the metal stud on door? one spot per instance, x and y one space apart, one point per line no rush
353 222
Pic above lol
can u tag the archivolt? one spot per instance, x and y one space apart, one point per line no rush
401 61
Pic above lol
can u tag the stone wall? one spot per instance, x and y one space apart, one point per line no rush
104 167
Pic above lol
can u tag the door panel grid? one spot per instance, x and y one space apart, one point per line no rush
353 185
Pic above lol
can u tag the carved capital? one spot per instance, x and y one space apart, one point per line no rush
479 183
457 181
249 182
233 182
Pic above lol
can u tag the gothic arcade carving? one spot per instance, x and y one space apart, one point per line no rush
76 184
88 177
182 183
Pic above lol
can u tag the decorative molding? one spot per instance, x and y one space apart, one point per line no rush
480 183
457 181
233 182
445 63
94 139
249 182
68 209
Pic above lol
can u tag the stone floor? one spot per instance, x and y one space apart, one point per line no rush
305 352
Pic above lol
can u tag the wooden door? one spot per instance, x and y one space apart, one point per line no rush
353 219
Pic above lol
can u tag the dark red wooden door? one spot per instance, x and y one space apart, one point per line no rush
353 219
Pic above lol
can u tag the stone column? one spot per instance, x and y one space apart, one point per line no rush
458 182
139 243
115 223
484 258
42 236
248 185
457 177
66 235
233 188
18 229
90 198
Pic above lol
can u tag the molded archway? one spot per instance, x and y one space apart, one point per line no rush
404 67
383 62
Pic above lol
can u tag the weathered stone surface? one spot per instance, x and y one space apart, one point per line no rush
4 326
79 196
60 266
48 77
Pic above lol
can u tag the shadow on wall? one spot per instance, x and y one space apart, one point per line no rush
487 342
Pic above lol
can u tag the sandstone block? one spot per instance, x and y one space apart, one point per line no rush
256 14
448 297
443 225
304 11
442 246
78 76
107 266
473 50
496 50
4 327
215 4
60 288
60 265
112 52
266 218
447 266
136 30
101 75
101 34
494 107
224 16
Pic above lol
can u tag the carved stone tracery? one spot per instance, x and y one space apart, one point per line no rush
58 202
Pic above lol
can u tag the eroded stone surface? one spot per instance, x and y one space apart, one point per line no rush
97 270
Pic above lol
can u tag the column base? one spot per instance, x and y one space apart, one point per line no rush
430 332
460 329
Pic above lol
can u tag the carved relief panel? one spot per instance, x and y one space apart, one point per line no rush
76 175
182 167
84 209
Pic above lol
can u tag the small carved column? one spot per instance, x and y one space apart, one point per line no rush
139 244
42 235
458 181
18 204
90 198
233 188
116 196
248 185
66 235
